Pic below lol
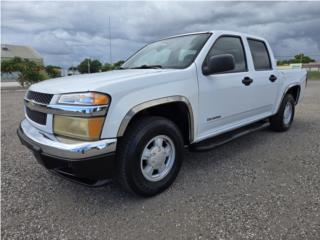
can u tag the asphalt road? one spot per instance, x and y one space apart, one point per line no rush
264 185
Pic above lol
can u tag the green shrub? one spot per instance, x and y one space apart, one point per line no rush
29 71
53 71
90 66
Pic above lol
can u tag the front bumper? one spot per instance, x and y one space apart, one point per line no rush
81 161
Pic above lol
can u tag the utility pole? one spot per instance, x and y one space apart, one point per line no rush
88 65
301 57
110 51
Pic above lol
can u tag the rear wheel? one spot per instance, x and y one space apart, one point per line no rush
149 156
283 119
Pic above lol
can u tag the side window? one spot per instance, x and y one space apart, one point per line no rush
260 55
230 45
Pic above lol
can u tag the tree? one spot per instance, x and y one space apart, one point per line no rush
118 64
299 58
96 66
29 71
73 68
89 66
107 67
12 65
53 71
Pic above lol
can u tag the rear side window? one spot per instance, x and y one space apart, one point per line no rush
260 55
230 45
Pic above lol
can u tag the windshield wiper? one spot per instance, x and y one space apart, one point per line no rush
147 66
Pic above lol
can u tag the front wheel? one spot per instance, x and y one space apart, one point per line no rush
150 156
283 119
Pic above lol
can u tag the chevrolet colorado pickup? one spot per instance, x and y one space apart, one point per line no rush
132 124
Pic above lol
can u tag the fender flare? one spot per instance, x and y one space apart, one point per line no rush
145 105
286 90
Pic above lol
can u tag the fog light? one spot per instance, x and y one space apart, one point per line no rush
80 128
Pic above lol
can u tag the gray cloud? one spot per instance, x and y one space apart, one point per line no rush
66 32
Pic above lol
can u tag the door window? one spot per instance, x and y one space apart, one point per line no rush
260 55
230 45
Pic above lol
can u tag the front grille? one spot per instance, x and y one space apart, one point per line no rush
43 98
37 117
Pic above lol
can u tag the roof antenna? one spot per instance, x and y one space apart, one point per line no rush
110 40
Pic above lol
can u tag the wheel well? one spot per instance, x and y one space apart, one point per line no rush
295 92
176 111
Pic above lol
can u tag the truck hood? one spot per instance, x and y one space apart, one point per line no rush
99 81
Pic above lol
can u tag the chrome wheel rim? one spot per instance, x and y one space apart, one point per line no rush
287 113
157 158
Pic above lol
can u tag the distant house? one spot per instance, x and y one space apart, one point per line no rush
9 51
313 66
291 66
73 71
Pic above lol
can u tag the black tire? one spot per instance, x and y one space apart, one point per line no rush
277 122
129 151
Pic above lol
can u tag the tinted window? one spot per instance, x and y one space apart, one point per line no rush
260 55
233 46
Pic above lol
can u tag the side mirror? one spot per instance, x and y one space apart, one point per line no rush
218 64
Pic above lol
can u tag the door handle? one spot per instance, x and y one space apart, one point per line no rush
272 78
247 81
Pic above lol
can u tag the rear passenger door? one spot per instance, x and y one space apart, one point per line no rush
265 77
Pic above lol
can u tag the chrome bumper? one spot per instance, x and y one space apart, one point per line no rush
63 148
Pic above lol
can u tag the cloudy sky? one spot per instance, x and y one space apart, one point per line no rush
64 33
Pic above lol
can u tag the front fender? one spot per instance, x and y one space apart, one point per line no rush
156 102
126 104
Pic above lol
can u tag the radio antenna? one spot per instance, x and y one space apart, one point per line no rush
110 41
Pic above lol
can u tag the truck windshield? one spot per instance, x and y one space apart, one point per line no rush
176 52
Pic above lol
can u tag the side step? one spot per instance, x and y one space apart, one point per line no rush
219 140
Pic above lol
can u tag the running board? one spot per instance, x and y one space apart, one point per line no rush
219 140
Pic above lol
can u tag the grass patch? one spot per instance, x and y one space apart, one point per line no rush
313 75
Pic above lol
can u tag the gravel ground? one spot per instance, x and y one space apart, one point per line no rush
264 185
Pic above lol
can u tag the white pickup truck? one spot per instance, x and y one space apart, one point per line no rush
133 123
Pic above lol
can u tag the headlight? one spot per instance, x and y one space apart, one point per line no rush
82 127
76 127
86 98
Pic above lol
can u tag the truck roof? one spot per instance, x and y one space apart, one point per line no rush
219 32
